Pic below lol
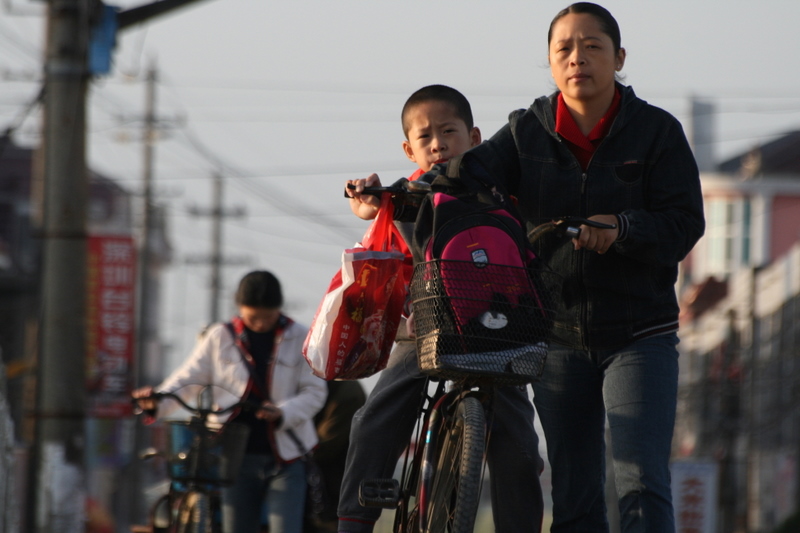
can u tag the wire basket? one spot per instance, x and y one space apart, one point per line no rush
204 455
481 321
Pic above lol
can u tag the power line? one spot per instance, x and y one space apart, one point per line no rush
392 89
15 124
22 45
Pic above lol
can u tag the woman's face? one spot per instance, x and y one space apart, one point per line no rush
583 60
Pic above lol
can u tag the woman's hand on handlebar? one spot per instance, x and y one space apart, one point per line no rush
597 239
364 206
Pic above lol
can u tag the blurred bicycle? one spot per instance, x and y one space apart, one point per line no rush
202 457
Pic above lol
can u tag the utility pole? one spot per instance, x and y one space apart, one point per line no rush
216 248
144 330
59 487
143 335
217 259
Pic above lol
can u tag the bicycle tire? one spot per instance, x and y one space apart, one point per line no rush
194 513
161 514
453 491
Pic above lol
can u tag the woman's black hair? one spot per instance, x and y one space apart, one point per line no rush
607 22
259 289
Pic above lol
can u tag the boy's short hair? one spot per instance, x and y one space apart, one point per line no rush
441 93
259 289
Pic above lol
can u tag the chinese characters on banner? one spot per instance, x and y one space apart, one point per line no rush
110 322
694 496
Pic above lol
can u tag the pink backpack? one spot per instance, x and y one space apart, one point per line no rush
475 292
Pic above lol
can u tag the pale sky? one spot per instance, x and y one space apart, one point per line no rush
289 99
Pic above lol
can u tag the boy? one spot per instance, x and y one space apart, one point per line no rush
257 357
437 122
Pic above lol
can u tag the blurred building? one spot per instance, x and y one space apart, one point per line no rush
112 250
740 338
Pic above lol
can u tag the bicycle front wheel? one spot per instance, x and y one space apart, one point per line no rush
194 513
453 490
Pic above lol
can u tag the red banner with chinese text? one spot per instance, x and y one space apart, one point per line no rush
111 319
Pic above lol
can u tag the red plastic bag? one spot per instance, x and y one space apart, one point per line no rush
355 325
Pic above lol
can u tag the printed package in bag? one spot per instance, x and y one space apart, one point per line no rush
355 325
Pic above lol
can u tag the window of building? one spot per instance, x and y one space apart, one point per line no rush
728 227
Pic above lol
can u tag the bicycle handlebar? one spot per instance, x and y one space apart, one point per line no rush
200 411
568 227
404 190
400 190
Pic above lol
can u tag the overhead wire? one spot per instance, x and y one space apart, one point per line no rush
21 116
20 44
292 206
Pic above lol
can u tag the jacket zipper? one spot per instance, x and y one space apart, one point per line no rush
584 308
584 315
271 425
549 119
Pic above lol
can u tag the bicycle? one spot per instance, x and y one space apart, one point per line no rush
440 481
201 459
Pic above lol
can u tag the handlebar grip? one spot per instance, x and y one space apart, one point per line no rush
374 191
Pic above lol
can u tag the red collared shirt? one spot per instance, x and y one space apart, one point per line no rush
583 146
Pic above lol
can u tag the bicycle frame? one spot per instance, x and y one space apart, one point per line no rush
436 420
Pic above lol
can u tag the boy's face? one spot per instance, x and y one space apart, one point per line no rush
436 133
259 319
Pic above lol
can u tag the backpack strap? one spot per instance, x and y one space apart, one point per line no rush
450 182
477 182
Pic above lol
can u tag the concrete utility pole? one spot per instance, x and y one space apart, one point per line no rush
217 258
60 484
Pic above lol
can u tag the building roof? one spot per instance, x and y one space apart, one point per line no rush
781 156
701 297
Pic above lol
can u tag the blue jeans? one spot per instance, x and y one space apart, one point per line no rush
636 387
262 480
381 429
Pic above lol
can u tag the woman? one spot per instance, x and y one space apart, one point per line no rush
594 149
257 356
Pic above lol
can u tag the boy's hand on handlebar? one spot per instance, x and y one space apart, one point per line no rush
143 399
596 239
364 206
269 412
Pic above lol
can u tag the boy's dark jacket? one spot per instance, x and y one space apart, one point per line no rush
643 172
